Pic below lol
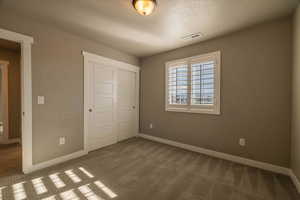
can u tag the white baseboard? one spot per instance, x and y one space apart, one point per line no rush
295 180
55 161
237 159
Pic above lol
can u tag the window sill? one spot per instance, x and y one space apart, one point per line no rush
195 110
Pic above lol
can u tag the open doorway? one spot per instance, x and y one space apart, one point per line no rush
26 94
10 108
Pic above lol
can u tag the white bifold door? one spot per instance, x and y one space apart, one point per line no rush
126 105
111 101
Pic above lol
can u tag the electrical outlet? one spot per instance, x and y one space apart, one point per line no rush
62 140
151 126
242 142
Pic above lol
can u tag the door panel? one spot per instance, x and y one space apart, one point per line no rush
101 125
126 104
111 104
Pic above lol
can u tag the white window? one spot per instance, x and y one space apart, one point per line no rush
193 84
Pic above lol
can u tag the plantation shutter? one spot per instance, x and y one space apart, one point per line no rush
178 85
202 83
193 84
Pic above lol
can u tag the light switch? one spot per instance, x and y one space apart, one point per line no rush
41 100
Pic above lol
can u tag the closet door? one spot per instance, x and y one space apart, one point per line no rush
101 108
127 105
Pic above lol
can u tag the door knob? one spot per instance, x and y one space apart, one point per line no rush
133 107
90 110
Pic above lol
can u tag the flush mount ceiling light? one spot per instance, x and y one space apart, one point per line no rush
144 7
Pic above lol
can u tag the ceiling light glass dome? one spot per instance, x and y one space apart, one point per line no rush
144 7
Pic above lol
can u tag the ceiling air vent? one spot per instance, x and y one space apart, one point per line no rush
192 36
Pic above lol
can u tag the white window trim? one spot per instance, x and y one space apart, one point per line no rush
204 109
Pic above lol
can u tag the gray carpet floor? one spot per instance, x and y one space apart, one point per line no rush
139 169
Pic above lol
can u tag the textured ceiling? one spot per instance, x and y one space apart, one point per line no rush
115 22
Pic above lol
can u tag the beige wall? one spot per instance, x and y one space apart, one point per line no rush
255 99
57 69
296 97
14 90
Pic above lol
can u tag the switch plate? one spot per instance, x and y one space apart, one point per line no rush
62 140
41 100
242 142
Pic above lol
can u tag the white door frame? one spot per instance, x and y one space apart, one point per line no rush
109 62
26 94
